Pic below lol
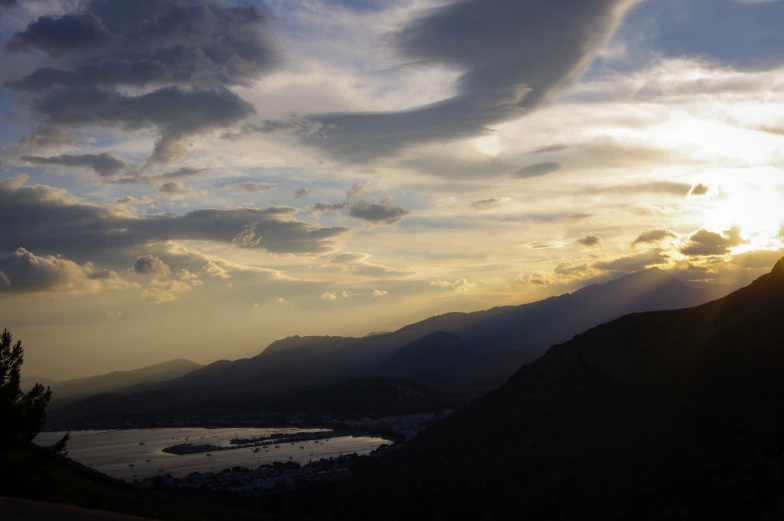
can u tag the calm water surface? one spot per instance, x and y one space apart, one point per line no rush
111 452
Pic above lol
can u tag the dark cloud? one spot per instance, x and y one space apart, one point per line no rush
548 150
485 204
56 36
301 193
151 266
538 169
105 165
249 187
381 212
328 207
190 50
49 220
699 189
172 188
185 42
515 55
633 263
178 115
377 213
590 240
25 272
184 172
360 207
706 243
653 236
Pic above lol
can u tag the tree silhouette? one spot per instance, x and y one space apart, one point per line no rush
23 414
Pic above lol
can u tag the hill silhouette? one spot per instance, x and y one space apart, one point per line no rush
492 345
659 415
530 327
125 381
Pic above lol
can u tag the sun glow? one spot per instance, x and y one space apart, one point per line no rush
752 199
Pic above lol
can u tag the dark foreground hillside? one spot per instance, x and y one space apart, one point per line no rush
31 472
662 415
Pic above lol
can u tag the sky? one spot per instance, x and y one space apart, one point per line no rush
197 178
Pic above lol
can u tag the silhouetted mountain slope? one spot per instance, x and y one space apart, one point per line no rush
492 345
122 380
432 354
531 327
662 415
370 397
353 398
32 472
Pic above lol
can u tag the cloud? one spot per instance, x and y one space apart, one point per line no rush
381 212
187 42
104 165
174 188
328 296
214 270
56 36
486 204
514 57
149 265
706 243
160 291
248 187
633 263
458 285
380 293
359 264
25 272
50 220
283 302
178 115
361 207
534 279
569 269
653 236
590 241
699 189
538 169
184 172
328 207
189 50
301 193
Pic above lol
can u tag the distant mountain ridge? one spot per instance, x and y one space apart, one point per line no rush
657 415
456 352
531 327
122 381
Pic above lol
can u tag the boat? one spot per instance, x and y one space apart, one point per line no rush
209 454
277 446
149 460
141 443
256 449
130 464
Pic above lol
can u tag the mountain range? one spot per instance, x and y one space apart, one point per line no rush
455 352
116 381
658 415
